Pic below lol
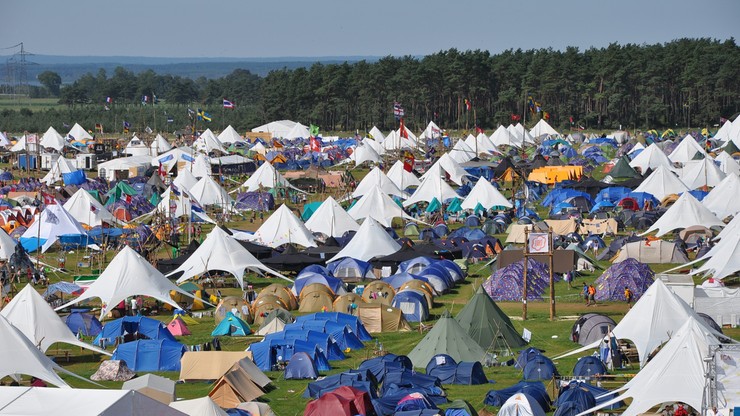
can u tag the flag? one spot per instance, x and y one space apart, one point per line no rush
446 140
545 115
515 117
314 144
722 121
188 158
408 161
148 130
170 119
191 112
161 171
144 99
228 104
402 130
99 127
48 199
538 106
29 139
571 120
468 105
166 159
109 100
478 130
313 130
398 110
126 198
530 104
202 115
126 125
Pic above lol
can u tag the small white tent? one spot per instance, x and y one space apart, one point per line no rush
651 158
687 150
727 164
177 204
503 137
46 229
401 177
661 183
432 186
685 212
450 166
203 406
208 142
159 145
266 176
376 134
184 180
521 404
59 167
331 219
701 173
87 210
78 133
358 247
718 201
208 192
461 152
7 245
279 128
485 194
52 140
364 153
376 204
283 227
431 132
376 178
230 136
543 128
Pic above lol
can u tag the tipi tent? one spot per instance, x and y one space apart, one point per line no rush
701 173
87 210
52 140
486 195
177 204
446 337
203 406
364 152
379 206
661 183
129 274
53 222
448 165
376 178
727 164
685 212
488 325
7 245
401 177
358 248
159 145
543 128
207 192
687 150
432 187
651 158
331 219
78 133
230 136
207 142
184 180
718 201
283 227
266 176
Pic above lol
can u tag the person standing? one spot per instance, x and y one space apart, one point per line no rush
628 296
591 295
585 293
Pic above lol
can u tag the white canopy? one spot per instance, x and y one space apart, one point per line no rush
33 316
461 152
394 141
686 150
358 247
7 245
721 200
52 140
159 145
727 164
661 183
55 221
299 131
376 204
376 178
87 210
376 135
219 251
283 227
230 136
504 137
700 173
279 128
80 402
364 153
331 219
722 260
675 374
432 186
486 194
203 406
685 212
652 320
78 133
401 177
651 158
207 142
208 192
128 274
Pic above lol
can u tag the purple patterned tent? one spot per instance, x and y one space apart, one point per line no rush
255 201
507 284
631 273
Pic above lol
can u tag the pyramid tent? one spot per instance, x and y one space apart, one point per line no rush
722 260
365 153
243 382
522 133
203 406
431 187
220 251
78 133
675 374
358 247
503 137
481 145
20 356
651 158
331 219
201 166
718 201
379 206
487 324
411 136
4 142
159 145
128 274
723 133
266 176
661 183
650 322
727 164
376 145
279 128
394 141
448 165
87 210
431 132
283 227
299 131
543 128
7 245
446 337
486 195
33 316
622 169
177 327
401 177
207 192
461 152
230 136
376 178
207 142
23 145
685 212
701 173
60 167
687 150
52 140
185 180
54 222
376 134
231 326
178 204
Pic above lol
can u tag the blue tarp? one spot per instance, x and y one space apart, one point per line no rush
150 355
74 178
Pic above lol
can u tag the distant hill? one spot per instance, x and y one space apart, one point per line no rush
71 68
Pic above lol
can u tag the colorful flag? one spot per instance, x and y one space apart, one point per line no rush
478 130
126 125
468 105
188 158
313 130
202 115
398 111
515 117
109 100
170 119
144 99
126 198
402 130
530 104
571 120
545 115
48 199
228 104
408 161
314 144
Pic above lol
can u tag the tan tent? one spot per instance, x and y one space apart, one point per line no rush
208 365
378 286
235 305
562 227
243 382
341 304
264 306
275 325
157 387
652 252
382 318
282 292
594 226
316 298
422 287
516 233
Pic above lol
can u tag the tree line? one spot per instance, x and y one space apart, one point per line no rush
686 82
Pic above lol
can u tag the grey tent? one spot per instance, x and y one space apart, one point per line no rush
591 327
446 337
488 325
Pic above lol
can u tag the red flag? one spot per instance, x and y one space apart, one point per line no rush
478 130
408 161
571 120
468 105
404 133
515 117
314 145
48 199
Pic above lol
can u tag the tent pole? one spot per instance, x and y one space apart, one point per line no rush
524 274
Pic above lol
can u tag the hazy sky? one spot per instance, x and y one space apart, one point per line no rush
247 28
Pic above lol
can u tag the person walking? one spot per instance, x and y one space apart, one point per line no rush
591 295
585 293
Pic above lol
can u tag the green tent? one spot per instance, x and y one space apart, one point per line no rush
455 205
309 209
622 169
121 188
487 324
447 337
433 206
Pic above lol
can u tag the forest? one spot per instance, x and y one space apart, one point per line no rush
683 83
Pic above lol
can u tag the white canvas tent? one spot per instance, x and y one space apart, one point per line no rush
652 320
184 180
376 134
718 200
379 206
87 210
727 164
177 204
128 274
219 251
201 166
364 152
685 212
230 136
52 140
78 133
59 167
267 177
4 142
279 128
376 178
33 316
687 150
485 194
449 165
401 177
46 229
701 173
723 259
503 137
675 374
299 131
207 142
521 404
431 132
208 192
26 144
651 252
7 245
331 219
203 406
431 187
661 183
543 128
358 247
461 152
283 227
651 158
159 145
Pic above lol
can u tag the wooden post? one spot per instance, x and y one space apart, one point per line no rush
551 254
524 274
